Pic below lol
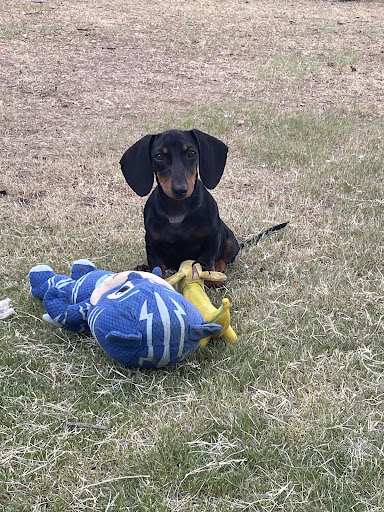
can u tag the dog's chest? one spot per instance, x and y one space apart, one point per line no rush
175 233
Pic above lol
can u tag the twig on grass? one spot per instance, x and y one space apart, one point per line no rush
77 424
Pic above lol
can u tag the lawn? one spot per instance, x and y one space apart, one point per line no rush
292 418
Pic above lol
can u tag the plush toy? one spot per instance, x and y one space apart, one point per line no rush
189 280
136 317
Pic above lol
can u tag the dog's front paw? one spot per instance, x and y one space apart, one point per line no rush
142 268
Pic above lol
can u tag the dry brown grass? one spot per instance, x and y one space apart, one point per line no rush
73 69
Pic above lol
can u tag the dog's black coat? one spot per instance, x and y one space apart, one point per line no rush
181 217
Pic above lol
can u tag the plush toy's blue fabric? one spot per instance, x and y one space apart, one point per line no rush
139 323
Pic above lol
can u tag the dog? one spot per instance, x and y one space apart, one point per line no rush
181 217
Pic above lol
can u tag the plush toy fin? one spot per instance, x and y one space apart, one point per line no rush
205 330
122 347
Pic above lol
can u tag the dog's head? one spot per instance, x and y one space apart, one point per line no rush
175 157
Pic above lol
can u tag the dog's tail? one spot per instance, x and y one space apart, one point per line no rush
255 239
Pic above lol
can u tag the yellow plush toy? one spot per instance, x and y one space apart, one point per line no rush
189 281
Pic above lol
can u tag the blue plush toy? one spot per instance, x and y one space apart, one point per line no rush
136 317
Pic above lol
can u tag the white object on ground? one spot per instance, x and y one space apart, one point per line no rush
5 309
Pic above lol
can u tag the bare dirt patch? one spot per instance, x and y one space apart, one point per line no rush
70 68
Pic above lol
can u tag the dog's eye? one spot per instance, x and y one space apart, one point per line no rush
191 153
158 156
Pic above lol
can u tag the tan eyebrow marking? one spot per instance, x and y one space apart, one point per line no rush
165 150
185 147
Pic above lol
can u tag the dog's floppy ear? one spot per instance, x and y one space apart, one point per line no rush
137 168
213 155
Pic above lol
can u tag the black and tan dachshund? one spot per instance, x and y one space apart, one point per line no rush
181 217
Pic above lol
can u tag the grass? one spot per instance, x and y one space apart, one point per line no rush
291 419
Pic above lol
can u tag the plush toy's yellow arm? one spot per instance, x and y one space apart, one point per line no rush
176 278
191 272
211 275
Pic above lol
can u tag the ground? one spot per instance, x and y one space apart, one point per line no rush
290 419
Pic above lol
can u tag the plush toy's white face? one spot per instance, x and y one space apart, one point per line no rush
119 279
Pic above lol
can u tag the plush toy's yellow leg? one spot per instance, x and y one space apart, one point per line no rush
230 336
221 317
228 333
197 296
204 342
218 316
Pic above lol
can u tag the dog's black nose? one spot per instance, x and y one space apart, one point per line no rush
180 191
